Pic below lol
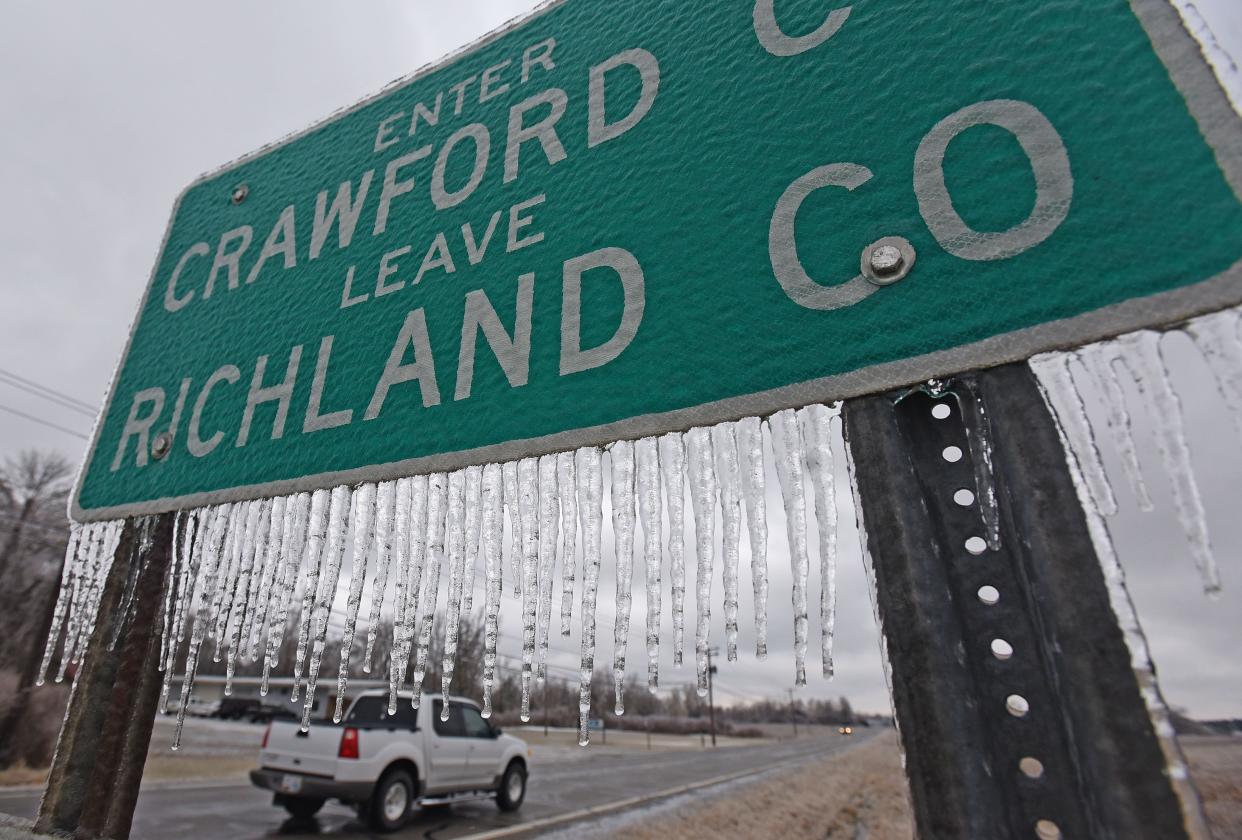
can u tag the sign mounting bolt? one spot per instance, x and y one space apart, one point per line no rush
160 446
887 260
239 193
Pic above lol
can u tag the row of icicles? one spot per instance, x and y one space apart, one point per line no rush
1139 356
236 566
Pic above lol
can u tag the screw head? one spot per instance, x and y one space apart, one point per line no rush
160 446
887 260
239 193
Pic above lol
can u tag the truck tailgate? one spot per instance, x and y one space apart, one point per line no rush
313 752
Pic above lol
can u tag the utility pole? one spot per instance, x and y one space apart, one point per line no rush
793 716
711 705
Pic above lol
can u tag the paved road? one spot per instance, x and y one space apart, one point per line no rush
562 781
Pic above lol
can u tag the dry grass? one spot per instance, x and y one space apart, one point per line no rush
162 766
20 774
1216 767
861 793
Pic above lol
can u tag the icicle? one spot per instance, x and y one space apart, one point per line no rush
456 559
1100 361
1127 619
292 545
257 518
623 517
112 538
208 573
261 594
68 599
474 488
590 506
1053 371
62 599
1216 336
406 612
816 423
386 512
673 466
90 549
647 456
398 543
1165 410
724 447
316 535
528 509
886 665
568 491
333 554
703 501
788 449
364 535
195 530
749 433
226 583
171 580
549 514
979 440
264 559
437 501
515 524
492 533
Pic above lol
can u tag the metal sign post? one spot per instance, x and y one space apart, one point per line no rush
92 787
1018 706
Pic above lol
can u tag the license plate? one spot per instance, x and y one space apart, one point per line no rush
290 784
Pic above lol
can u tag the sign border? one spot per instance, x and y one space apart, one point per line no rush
1181 55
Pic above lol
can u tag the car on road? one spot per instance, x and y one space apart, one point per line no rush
385 764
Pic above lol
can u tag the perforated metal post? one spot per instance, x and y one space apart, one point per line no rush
1020 714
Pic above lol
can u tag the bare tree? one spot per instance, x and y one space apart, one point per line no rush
33 487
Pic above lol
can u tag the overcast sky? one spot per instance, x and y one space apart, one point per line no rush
110 109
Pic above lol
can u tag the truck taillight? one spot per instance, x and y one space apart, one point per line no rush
349 743
266 733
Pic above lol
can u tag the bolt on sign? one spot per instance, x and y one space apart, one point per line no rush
610 220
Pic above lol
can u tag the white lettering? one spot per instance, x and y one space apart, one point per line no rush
573 358
544 130
599 130
413 335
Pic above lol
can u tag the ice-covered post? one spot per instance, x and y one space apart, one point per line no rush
93 784
1019 709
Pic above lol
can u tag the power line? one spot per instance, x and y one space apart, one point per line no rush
50 398
60 395
43 422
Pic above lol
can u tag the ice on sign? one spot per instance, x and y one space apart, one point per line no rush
611 222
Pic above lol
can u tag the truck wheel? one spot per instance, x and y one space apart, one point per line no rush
302 807
512 787
391 803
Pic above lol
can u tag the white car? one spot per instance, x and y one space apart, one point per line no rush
384 765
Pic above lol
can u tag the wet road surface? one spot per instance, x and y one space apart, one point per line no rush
563 781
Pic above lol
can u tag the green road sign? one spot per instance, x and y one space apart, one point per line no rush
617 219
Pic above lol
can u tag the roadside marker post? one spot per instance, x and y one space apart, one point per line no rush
1052 725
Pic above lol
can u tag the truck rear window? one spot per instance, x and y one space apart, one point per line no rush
373 712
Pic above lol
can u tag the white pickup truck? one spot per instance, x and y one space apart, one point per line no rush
384 765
